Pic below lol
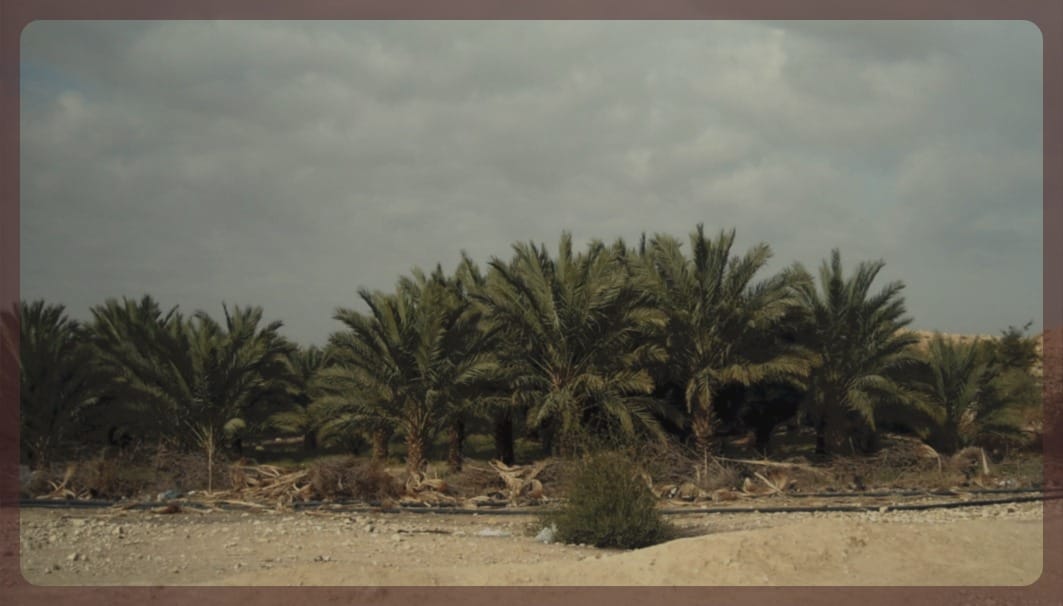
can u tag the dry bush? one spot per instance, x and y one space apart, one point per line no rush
38 483
555 476
185 471
347 477
474 480
111 479
901 463
721 475
671 466
668 462
99 478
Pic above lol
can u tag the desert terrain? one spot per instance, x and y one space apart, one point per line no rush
987 545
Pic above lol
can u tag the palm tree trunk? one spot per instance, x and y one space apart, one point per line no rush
762 434
310 441
547 437
416 451
380 439
821 436
503 434
831 433
702 423
456 441
40 454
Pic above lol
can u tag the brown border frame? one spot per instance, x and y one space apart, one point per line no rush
1047 15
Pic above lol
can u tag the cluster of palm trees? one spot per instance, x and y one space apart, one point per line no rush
579 348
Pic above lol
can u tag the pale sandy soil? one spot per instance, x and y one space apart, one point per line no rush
995 545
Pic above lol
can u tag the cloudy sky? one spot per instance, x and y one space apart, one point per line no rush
287 164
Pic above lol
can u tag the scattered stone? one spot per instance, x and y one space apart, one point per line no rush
547 535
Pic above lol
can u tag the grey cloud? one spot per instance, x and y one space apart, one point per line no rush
286 164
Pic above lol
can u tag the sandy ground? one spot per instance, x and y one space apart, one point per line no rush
994 545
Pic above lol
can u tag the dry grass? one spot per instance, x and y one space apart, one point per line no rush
349 477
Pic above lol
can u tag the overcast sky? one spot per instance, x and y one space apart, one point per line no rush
286 164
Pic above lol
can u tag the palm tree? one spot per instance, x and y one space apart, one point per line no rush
128 335
199 374
406 362
58 382
492 398
576 336
861 348
300 416
956 378
723 328
975 393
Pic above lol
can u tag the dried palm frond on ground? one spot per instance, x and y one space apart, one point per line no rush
422 491
269 483
522 486
344 478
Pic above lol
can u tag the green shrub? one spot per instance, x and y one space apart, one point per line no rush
609 505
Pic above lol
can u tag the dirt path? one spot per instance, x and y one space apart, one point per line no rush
996 545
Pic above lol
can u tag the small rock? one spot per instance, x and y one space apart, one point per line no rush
547 535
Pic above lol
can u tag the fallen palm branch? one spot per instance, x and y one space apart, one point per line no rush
521 483
251 485
422 491
778 464
775 489
62 490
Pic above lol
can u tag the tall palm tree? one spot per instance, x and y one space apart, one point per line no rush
299 416
404 363
576 336
126 336
861 348
723 328
58 382
492 398
199 374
